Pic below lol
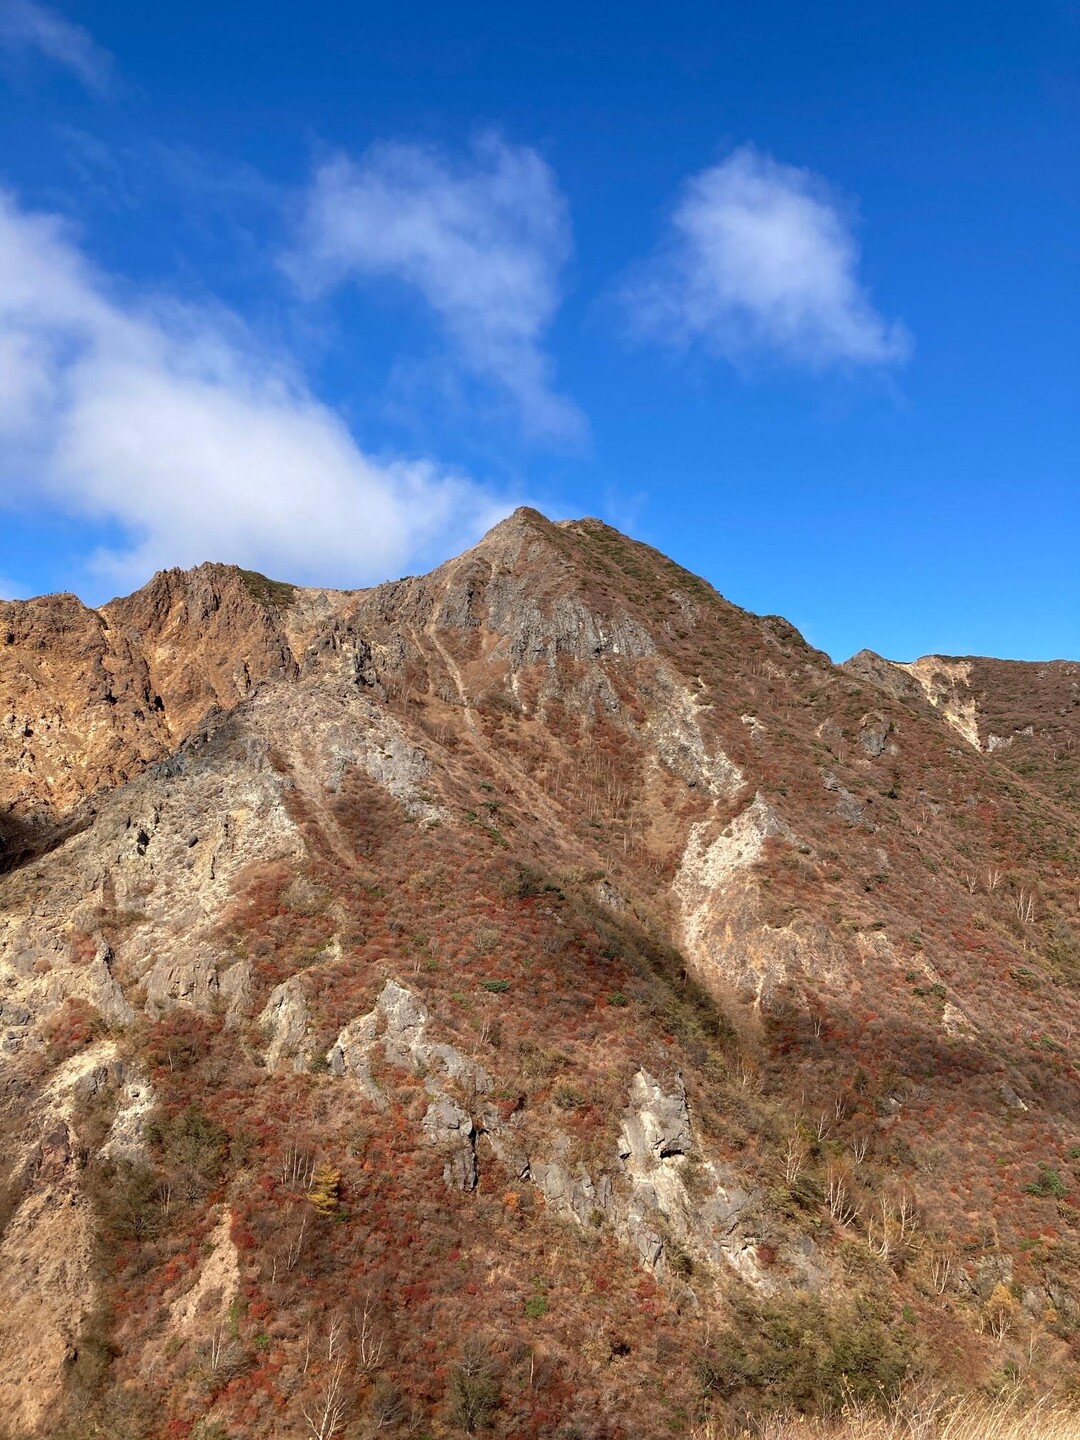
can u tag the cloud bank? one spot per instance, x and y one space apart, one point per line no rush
482 243
173 424
26 25
760 261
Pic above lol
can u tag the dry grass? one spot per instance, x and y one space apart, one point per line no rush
931 1419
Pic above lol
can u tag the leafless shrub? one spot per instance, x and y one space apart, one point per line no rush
838 1195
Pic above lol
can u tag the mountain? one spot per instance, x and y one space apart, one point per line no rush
538 998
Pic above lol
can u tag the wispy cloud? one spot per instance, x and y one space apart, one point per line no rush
173 423
26 25
482 241
760 260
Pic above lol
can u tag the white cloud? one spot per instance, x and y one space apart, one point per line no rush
173 424
760 260
482 242
26 25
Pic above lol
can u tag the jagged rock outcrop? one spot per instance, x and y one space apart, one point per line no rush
450 1128
285 1022
398 1027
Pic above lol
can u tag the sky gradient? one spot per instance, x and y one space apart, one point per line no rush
789 292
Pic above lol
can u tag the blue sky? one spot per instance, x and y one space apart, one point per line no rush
787 291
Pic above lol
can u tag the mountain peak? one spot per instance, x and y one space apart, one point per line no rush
543 928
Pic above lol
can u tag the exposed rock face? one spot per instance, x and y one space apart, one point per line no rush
47 1246
45 1258
848 807
1025 712
708 865
675 731
126 1139
398 1026
641 1195
896 680
449 1127
722 930
163 856
285 1022
874 731
655 1145
945 683
656 1127
206 1304
90 697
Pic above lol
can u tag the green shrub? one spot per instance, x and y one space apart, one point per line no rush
193 1150
275 594
1048 1184
568 1097
802 1356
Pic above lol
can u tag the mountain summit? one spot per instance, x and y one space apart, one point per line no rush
536 998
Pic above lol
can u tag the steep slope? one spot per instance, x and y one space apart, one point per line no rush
1025 712
537 997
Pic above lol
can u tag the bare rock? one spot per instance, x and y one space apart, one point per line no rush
398 1026
189 980
285 1021
447 1126
126 1139
874 731
850 809
657 1126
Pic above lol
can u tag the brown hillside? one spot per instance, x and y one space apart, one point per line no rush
1025 712
536 998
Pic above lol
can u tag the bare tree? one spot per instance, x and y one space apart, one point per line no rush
287 1259
334 1338
941 1264
880 1230
1024 905
794 1157
331 1405
223 1355
838 1195
370 1342
747 1075
296 1169
906 1215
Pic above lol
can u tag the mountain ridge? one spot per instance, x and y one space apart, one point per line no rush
572 973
